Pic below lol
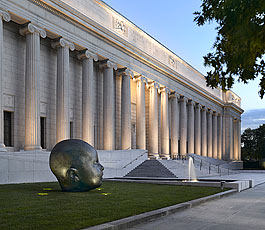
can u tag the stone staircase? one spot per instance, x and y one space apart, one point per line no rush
151 168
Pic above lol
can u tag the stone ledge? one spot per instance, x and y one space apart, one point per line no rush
147 216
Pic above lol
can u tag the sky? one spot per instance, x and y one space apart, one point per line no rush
171 23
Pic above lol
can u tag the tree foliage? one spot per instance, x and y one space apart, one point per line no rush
240 43
253 143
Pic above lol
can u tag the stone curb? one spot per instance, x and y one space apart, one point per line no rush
131 221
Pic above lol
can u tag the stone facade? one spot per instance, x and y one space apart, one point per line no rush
94 75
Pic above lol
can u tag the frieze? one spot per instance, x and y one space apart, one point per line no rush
172 62
120 26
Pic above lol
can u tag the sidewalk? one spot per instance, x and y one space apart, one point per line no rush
242 211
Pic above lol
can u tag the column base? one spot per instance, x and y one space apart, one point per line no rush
153 156
32 148
3 148
165 157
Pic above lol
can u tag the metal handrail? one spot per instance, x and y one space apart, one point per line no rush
125 166
202 162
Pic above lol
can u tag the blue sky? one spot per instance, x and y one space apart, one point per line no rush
171 23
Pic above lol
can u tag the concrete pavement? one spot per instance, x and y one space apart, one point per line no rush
242 211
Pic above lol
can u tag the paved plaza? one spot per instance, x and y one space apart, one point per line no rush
244 211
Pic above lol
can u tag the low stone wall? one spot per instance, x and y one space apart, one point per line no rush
33 166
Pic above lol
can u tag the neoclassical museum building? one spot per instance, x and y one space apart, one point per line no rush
79 69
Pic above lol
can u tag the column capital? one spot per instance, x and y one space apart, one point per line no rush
153 84
31 28
204 108
62 42
191 102
164 89
5 15
107 64
125 71
140 78
182 98
198 105
214 113
86 54
174 95
209 111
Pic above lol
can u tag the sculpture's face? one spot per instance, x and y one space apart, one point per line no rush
75 164
90 171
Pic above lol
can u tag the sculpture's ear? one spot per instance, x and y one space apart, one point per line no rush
72 174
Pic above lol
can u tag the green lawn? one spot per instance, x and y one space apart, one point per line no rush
45 206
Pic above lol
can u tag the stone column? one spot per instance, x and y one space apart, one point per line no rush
204 132
88 95
214 135
126 142
6 17
236 143
183 125
108 105
174 125
229 138
191 127
239 139
62 90
164 123
32 81
197 129
153 121
140 113
210 134
220 136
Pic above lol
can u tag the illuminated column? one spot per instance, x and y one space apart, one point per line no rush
236 143
164 123
62 92
197 129
153 121
204 132
220 136
126 142
214 135
191 127
229 138
239 139
6 17
108 105
210 134
174 125
183 125
140 113
88 95
32 81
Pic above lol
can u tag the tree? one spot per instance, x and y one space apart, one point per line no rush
239 47
248 140
253 141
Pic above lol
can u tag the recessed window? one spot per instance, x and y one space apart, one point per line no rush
43 132
71 130
8 129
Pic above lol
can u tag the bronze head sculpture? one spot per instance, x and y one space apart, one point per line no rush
75 165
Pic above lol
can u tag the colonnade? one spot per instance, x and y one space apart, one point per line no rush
189 128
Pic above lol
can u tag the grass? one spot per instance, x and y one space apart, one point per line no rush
45 206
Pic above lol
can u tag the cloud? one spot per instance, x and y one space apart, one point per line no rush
253 118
